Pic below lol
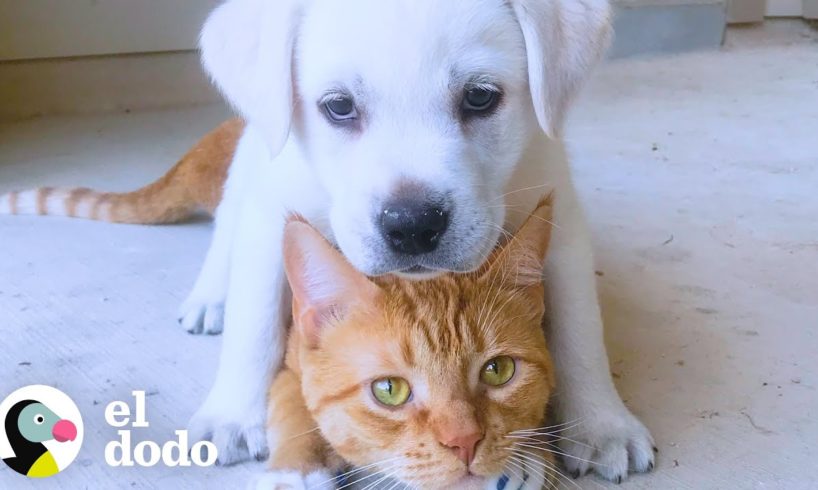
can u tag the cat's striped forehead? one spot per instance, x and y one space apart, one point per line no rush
438 310
455 314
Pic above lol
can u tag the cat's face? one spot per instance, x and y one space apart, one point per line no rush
425 381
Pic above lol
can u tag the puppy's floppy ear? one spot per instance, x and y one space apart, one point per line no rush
564 39
247 48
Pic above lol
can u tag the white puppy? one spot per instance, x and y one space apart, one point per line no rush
412 132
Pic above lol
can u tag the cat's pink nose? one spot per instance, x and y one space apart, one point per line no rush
463 443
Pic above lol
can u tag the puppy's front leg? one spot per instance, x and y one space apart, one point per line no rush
203 310
600 433
256 315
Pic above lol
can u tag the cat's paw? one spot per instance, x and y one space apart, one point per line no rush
235 428
200 316
292 480
610 443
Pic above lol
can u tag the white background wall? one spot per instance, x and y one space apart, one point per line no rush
32 29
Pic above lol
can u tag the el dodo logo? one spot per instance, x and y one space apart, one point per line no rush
148 453
41 432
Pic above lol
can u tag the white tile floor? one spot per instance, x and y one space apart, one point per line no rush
699 174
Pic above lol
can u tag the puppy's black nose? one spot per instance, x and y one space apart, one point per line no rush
411 227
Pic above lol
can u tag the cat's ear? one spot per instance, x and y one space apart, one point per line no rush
325 285
520 262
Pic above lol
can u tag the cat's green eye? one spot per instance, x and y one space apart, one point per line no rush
392 392
498 371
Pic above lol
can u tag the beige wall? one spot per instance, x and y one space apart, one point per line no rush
58 28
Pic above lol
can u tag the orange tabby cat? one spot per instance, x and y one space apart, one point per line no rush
432 384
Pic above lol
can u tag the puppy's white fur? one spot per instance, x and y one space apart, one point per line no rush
405 63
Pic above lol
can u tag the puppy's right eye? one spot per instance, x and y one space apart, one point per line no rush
341 108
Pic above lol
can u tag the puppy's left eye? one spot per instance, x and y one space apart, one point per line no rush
479 100
341 108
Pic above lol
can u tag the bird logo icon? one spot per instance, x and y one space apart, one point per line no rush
42 428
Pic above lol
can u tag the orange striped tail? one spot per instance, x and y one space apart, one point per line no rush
146 206
194 185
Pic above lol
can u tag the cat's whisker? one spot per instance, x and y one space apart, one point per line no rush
566 435
531 439
505 233
559 473
301 434
487 305
523 466
562 434
508 237
560 477
556 226
539 430
517 191
546 466
395 485
373 484
482 323
517 466
493 319
552 451
529 468
511 208
539 433
520 448
498 310
392 465
574 441
383 478
358 470
366 477
515 318
550 441
505 271
527 472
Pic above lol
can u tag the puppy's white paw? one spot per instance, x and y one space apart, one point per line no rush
236 428
608 442
199 316
292 480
